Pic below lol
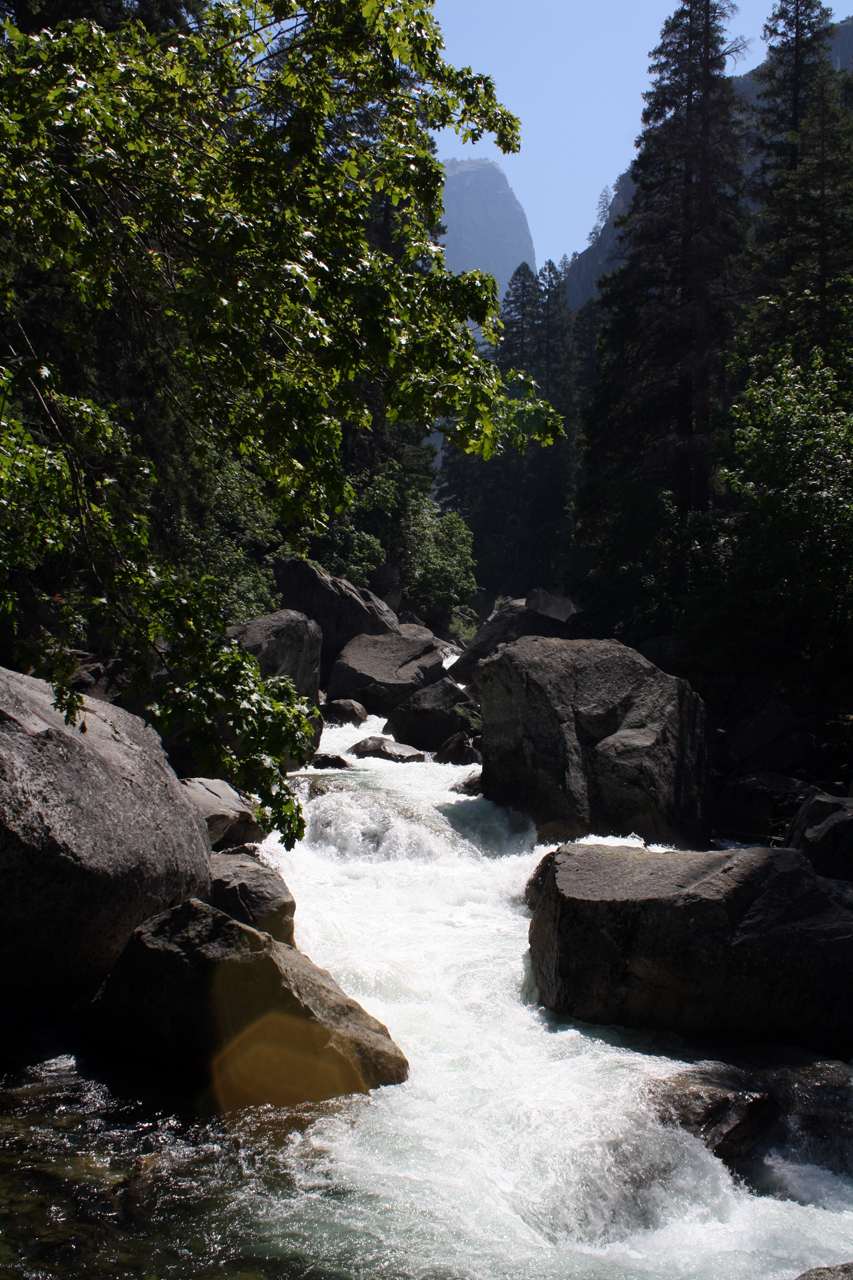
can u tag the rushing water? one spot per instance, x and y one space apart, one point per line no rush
520 1147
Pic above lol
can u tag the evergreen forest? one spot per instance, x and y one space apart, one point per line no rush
228 335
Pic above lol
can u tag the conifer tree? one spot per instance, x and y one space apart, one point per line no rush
520 315
668 313
797 33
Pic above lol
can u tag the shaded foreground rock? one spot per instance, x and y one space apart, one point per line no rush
587 736
96 834
341 610
380 748
823 831
758 806
344 711
229 815
458 749
285 643
434 714
736 1110
512 620
249 891
199 996
380 672
747 944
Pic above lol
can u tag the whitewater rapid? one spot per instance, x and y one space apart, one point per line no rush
521 1146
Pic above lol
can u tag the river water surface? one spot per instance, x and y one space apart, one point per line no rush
521 1146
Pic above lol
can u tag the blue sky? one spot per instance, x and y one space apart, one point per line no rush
574 72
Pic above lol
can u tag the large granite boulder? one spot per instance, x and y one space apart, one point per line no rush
285 643
380 672
587 736
96 834
228 814
823 831
199 999
434 714
247 890
510 621
747 944
341 610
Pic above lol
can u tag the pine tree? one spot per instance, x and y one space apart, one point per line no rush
797 33
668 312
520 316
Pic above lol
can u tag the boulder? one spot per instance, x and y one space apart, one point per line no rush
844 1272
559 607
823 831
758 806
470 786
512 620
324 761
96 834
737 1109
434 714
383 671
341 610
587 736
381 748
747 944
285 643
249 891
344 711
458 749
200 999
230 816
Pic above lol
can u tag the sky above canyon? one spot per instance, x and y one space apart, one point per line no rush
575 74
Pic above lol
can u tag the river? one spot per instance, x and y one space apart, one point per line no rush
521 1146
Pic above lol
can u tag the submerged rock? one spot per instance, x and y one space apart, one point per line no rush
200 999
747 944
587 736
844 1272
249 891
471 786
324 761
229 815
382 671
96 834
381 748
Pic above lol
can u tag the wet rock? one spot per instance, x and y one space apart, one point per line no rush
458 750
199 998
229 815
341 610
285 643
322 761
823 831
758 806
383 671
344 711
249 891
844 1272
747 944
96 834
471 786
588 736
536 883
434 714
737 1109
380 748
512 620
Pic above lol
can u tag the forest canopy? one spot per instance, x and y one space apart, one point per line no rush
218 257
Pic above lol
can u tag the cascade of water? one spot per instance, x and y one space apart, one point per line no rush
521 1146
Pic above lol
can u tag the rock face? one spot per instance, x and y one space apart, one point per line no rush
434 714
588 736
380 672
341 610
229 815
96 834
249 891
379 748
199 996
823 831
510 622
486 226
747 944
737 1109
286 643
